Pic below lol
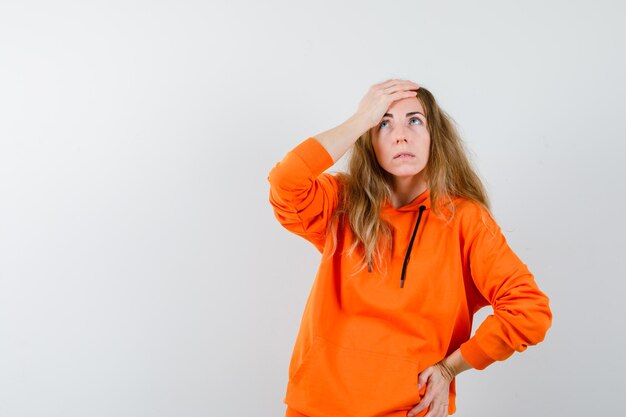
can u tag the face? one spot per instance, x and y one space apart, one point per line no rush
401 140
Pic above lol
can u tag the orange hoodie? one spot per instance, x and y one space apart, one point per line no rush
364 338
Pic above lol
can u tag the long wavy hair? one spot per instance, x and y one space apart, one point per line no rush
367 186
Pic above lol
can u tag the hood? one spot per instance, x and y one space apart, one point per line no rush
419 204
421 200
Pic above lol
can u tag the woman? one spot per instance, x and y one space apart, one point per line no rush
409 253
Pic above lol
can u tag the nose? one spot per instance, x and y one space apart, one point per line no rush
401 138
400 135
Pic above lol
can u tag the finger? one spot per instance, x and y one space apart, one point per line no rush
413 83
394 82
384 84
426 401
400 81
429 399
402 87
390 81
407 84
402 94
437 410
421 406
423 378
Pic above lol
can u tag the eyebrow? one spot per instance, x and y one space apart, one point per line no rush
407 115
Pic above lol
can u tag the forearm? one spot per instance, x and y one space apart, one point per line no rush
339 139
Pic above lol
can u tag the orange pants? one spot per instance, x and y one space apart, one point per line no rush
293 413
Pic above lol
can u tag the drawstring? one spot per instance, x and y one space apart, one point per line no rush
408 251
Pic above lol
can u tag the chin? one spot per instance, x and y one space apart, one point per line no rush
405 173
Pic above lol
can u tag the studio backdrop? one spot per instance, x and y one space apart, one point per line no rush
142 271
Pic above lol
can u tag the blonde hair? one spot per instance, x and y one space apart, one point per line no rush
367 186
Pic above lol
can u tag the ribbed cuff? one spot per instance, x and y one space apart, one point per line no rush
314 155
474 355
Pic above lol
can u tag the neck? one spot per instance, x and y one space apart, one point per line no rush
405 189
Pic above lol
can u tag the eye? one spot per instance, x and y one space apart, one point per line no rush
416 119
380 126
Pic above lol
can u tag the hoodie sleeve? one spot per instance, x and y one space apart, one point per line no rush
302 196
521 313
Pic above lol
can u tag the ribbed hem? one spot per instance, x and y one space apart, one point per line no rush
474 355
314 155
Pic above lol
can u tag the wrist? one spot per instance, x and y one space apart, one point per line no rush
359 123
454 364
447 370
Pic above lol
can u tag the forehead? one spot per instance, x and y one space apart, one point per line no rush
406 105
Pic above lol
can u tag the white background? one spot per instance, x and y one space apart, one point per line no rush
142 272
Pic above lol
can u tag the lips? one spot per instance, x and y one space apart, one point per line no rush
403 155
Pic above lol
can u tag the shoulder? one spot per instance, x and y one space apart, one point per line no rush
332 179
472 217
468 209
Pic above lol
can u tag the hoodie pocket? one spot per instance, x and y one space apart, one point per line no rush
334 380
